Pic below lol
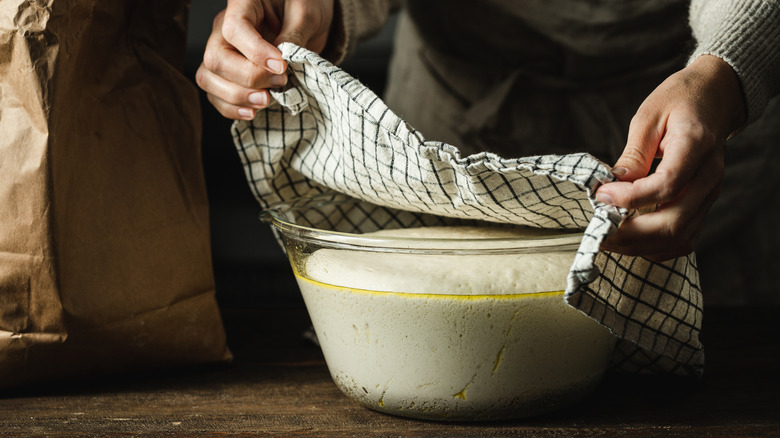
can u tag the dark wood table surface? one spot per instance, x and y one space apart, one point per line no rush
278 385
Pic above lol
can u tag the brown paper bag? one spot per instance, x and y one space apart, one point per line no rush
104 246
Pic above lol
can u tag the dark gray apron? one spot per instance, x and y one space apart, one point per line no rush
541 77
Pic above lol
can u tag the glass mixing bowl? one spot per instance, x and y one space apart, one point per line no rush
434 318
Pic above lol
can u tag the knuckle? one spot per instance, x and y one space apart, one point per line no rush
225 109
639 116
634 157
236 97
216 103
253 78
698 133
701 135
216 23
295 36
671 187
200 76
211 60
229 28
696 130
643 117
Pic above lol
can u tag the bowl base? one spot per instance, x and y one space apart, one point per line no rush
516 408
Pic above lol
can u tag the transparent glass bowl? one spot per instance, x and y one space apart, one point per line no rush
436 327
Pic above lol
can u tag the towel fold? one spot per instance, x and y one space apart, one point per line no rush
328 132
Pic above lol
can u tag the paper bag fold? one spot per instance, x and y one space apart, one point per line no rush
104 235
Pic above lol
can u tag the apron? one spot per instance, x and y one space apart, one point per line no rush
560 77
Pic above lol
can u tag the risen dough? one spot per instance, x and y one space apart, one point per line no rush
468 274
455 336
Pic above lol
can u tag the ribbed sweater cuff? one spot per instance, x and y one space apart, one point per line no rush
746 35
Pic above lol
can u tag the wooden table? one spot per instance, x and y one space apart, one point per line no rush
278 385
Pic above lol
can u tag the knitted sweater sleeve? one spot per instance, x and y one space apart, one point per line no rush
746 35
353 21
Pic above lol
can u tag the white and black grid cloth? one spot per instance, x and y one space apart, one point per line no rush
327 132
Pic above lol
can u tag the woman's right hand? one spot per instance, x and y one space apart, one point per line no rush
241 60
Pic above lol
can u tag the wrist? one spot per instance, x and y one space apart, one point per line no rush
726 89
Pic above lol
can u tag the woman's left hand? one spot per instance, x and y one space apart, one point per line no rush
685 122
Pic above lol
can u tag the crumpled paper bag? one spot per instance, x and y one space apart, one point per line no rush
104 234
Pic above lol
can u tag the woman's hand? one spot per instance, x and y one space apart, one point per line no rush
241 59
685 122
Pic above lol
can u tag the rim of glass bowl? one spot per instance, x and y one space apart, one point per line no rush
275 216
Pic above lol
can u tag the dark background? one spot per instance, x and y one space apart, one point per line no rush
247 259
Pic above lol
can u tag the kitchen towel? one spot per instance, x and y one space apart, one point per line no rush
327 132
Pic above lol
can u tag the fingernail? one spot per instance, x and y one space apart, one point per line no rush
604 199
275 66
246 113
278 80
258 98
619 171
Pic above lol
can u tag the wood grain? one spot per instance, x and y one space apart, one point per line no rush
278 385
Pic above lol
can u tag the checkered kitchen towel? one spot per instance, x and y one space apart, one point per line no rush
328 132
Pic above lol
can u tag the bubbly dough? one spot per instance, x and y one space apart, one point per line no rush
469 274
459 337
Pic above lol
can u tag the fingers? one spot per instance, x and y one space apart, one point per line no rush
224 59
241 61
662 186
661 235
235 85
306 24
231 100
294 28
685 122
685 145
673 230
644 137
241 28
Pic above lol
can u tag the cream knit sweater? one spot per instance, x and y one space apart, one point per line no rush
744 33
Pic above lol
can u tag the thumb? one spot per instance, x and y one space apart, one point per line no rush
242 25
296 27
644 137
